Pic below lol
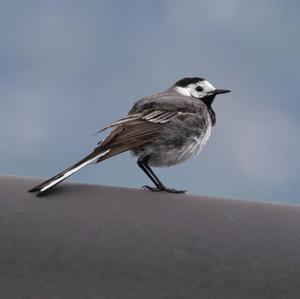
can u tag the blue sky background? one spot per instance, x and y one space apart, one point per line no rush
68 68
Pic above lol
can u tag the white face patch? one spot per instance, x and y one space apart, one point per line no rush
184 91
208 87
191 89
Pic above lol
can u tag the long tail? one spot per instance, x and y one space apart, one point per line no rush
44 187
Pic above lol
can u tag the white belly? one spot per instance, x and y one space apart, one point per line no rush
174 155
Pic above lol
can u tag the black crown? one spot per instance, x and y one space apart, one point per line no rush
186 81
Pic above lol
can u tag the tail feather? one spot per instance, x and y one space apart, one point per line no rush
121 139
50 183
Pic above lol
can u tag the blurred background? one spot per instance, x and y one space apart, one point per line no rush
68 68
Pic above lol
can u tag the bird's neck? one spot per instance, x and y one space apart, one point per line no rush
212 115
208 102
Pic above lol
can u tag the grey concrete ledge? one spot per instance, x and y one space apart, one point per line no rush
86 241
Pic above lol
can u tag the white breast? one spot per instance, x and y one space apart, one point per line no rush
173 156
195 146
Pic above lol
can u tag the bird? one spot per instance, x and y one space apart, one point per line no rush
163 129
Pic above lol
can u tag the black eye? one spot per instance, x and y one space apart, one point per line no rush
199 88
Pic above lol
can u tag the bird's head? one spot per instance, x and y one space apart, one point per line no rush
198 88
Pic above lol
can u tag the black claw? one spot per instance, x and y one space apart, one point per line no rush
164 189
153 189
172 190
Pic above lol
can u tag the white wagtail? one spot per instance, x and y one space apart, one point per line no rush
161 130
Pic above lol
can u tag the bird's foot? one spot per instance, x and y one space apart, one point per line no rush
163 189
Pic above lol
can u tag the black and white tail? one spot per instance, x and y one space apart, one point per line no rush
44 187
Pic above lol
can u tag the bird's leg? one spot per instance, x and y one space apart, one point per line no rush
143 164
155 180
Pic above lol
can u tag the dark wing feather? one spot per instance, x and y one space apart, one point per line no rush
133 131
155 116
127 136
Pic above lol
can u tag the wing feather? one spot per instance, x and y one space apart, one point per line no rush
127 136
134 130
155 116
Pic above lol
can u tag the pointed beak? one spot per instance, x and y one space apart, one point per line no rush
220 91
